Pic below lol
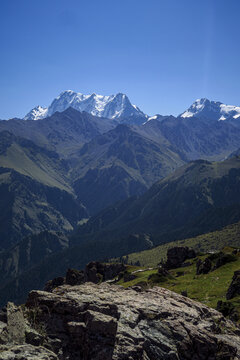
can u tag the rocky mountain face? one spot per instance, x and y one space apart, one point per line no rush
119 164
108 322
112 107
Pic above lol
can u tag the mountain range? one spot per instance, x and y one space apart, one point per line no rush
112 107
120 108
98 172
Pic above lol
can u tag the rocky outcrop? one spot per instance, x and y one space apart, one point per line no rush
228 310
203 267
18 341
234 288
177 255
108 322
95 272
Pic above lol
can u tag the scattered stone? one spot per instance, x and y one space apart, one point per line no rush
203 267
177 255
234 288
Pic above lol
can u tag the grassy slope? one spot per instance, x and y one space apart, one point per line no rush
229 236
208 289
39 167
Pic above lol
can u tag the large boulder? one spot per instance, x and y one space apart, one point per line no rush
203 267
108 322
177 255
234 288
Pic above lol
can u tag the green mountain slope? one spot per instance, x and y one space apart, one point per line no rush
207 288
28 206
213 241
29 159
197 198
63 132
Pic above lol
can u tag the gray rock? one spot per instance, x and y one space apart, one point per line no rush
234 288
203 267
109 322
16 324
26 352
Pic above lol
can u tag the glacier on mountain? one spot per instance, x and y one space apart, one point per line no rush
112 106
213 110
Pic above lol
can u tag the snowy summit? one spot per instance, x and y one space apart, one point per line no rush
112 106
214 110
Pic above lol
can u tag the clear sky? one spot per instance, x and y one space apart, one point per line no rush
163 54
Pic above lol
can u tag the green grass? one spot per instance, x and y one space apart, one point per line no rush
229 236
206 288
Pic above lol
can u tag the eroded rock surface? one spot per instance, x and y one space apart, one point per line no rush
107 322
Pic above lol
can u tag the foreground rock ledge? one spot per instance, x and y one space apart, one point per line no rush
103 322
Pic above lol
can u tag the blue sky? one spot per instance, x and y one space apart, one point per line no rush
162 53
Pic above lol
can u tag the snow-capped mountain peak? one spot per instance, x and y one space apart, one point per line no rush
36 113
111 106
213 110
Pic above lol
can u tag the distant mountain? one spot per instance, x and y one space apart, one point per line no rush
119 164
112 107
212 110
62 132
199 197
196 138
